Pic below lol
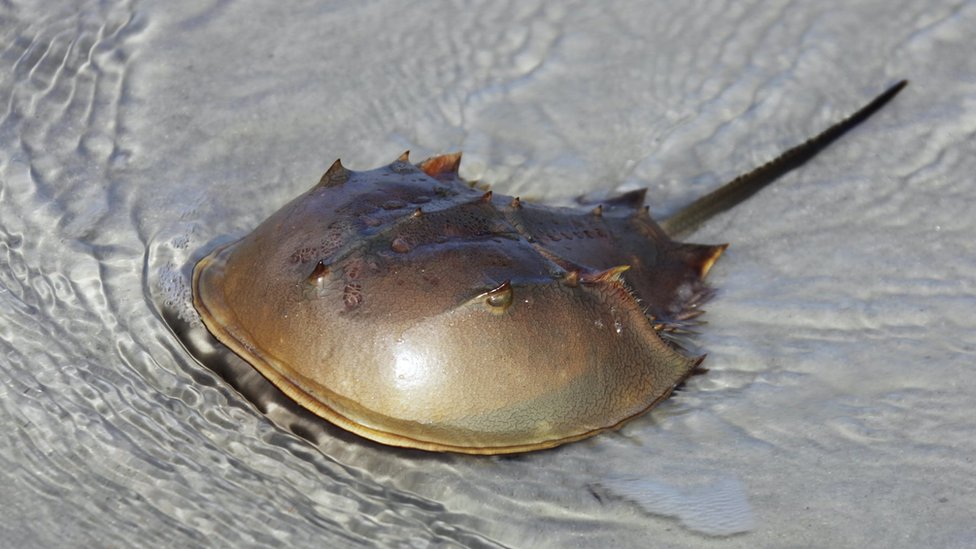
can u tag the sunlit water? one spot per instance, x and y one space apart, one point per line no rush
838 409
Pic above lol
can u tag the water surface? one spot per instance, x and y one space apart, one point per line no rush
838 409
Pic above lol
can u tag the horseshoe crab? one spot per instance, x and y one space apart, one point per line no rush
413 309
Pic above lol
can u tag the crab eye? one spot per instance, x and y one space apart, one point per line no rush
498 299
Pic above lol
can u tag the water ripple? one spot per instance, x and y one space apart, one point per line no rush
134 138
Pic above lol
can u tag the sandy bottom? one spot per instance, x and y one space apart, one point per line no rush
839 406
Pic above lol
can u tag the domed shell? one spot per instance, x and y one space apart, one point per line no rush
409 308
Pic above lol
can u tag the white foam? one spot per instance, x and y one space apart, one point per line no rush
175 292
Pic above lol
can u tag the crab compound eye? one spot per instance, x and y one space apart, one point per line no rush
499 299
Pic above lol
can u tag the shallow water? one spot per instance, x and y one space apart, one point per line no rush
838 408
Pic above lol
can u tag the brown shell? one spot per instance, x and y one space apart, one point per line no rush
409 308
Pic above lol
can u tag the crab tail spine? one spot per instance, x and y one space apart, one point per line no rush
746 185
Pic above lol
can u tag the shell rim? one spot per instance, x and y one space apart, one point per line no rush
309 402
